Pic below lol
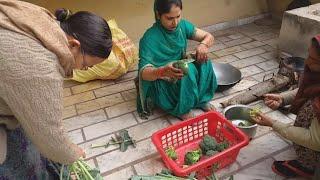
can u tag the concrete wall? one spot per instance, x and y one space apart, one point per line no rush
298 27
135 16
277 7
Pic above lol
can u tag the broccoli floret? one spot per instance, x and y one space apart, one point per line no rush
222 146
171 153
208 143
192 157
211 153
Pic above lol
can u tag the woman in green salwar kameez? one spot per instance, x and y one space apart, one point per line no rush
164 43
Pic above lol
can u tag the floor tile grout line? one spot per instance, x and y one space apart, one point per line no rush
128 165
246 166
138 124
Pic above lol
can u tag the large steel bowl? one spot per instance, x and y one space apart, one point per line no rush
227 75
241 112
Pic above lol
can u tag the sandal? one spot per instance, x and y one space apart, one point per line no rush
208 107
291 168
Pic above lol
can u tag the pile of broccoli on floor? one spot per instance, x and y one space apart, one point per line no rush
208 147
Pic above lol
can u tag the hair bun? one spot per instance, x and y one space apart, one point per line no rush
62 14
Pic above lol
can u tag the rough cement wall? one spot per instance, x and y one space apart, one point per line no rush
277 7
298 27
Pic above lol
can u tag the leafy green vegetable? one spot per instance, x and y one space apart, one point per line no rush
192 157
122 139
210 147
254 112
81 170
171 153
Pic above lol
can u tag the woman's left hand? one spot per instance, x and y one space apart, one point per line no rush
263 120
201 53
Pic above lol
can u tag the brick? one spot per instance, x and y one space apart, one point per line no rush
226 59
109 126
223 39
123 174
286 155
247 62
229 51
84 120
69 112
268 65
235 36
242 85
90 86
270 55
150 166
70 83
266 75
227 170
66 92
99 103
238 41
273 42
265 36
128 76
249 53
250 70
120 109
145 130
252 45
260 148
117 159
261 170
217 47
78 98
129 95
76 136
114 89
268 48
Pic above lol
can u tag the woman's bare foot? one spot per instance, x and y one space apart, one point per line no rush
208 107
187 116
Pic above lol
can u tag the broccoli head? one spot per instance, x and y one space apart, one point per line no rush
192 157
208 143
171 153
211 153
222 146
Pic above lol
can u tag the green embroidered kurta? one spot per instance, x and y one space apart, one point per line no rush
158 47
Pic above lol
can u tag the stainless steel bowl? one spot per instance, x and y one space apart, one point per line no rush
241 112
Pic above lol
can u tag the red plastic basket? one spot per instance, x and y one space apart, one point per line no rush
186 136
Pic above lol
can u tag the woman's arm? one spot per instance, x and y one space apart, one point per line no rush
309 138
151 73
288 97
203 37
206 41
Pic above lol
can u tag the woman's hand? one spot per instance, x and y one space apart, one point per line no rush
172 72
201 53
80 152
273 101
263 120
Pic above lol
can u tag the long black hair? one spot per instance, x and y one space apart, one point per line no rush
92 31
164 6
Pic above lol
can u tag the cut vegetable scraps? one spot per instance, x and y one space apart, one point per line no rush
122 139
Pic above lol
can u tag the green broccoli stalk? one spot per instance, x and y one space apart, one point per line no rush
211 153
171 153
208 143
222 146
192 157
